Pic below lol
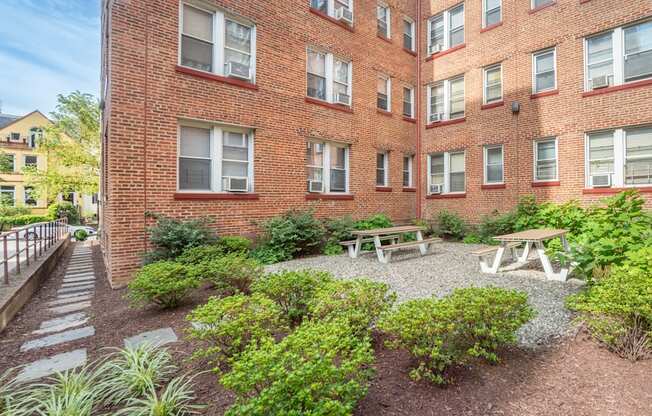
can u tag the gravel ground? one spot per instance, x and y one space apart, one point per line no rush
449 266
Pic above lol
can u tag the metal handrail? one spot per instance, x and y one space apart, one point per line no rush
37 241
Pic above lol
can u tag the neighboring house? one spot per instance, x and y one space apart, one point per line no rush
241 110
19 137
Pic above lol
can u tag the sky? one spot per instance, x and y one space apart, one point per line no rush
47 47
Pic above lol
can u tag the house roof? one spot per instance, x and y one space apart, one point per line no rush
7 119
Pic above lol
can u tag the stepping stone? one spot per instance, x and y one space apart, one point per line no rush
157 338
60 338
73 307
79 283
56 363
79 269
80 262
69 300
74 294
60 327
75 289
78 275
79 279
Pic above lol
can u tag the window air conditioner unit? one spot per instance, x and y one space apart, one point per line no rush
344 14
601 81
601 181
343 98
434 48
435 117
236 183
435 189
315 186
236 70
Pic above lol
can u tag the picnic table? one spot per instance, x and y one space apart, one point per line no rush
533 239
394 235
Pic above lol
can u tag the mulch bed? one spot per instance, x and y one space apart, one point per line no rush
576 377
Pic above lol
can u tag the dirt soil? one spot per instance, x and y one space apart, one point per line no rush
576 377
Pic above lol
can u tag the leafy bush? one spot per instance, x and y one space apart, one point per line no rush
228 325
209 252
360 301
375 221
337 229
232 273
292 290
64 209
80 235
292 234
13 211
170 237
164 283
618 308
569 216
333 249
322 368
450 225
20 220
234 244
472 238
496 224
471 323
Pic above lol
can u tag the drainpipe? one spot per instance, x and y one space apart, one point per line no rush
417 103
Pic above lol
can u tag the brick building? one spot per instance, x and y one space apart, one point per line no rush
240 109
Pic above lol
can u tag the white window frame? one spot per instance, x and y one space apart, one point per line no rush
326 165
409 171
536 159
447 96
25 160
13 162
331 7
485 85
12 192
412 33
388 83
446 14
534 68
219 38
389 20
217 131
532 7
26 197
411 102
486 11
447 172
617 55
385 168
329 63
485 163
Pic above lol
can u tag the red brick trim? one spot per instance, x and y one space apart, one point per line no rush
328 197
492 105
409 189
388 40
544 94
446 52
338 107
330 19
635 84
383 189
488 28
545 6
218 78
411 52
545 184
206 196
446 196
494 186
446 123
602 191
384 112
410 119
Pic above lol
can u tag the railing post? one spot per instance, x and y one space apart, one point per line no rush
4 245
17 251
27 247
40 245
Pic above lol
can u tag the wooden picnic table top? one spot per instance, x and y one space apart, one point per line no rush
534 235
389 230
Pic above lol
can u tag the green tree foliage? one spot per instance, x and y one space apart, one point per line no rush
64 209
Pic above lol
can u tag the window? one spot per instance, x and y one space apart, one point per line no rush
31 161
339 9
446 173
213 41
8 194
545 160
540 3
382 169
384 21
619 56
384 93
407 171
408 102
446 100
408 34
327 167
491 12
544 69
35 134
29 197
7 163
15 137
329 78
215 159
493 164
493 84
446 30
620 158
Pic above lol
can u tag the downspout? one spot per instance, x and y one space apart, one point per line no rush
145 127
417 157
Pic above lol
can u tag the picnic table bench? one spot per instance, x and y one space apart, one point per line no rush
392 234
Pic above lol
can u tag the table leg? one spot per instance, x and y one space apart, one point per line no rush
379 250
545 261
422 247
358 247
526 252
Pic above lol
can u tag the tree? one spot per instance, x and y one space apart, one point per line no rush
71 147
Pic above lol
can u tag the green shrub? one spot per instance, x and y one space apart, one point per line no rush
496 224
360 301
472 238
234 244
569 216
175 399
322 368
13 211
469 324
201 254
333 249
20 220
232 273
292 290
227 326
170 237
450 225
268 255
164 283
337 230
80 235
375 221
618 308
64 209
292 234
